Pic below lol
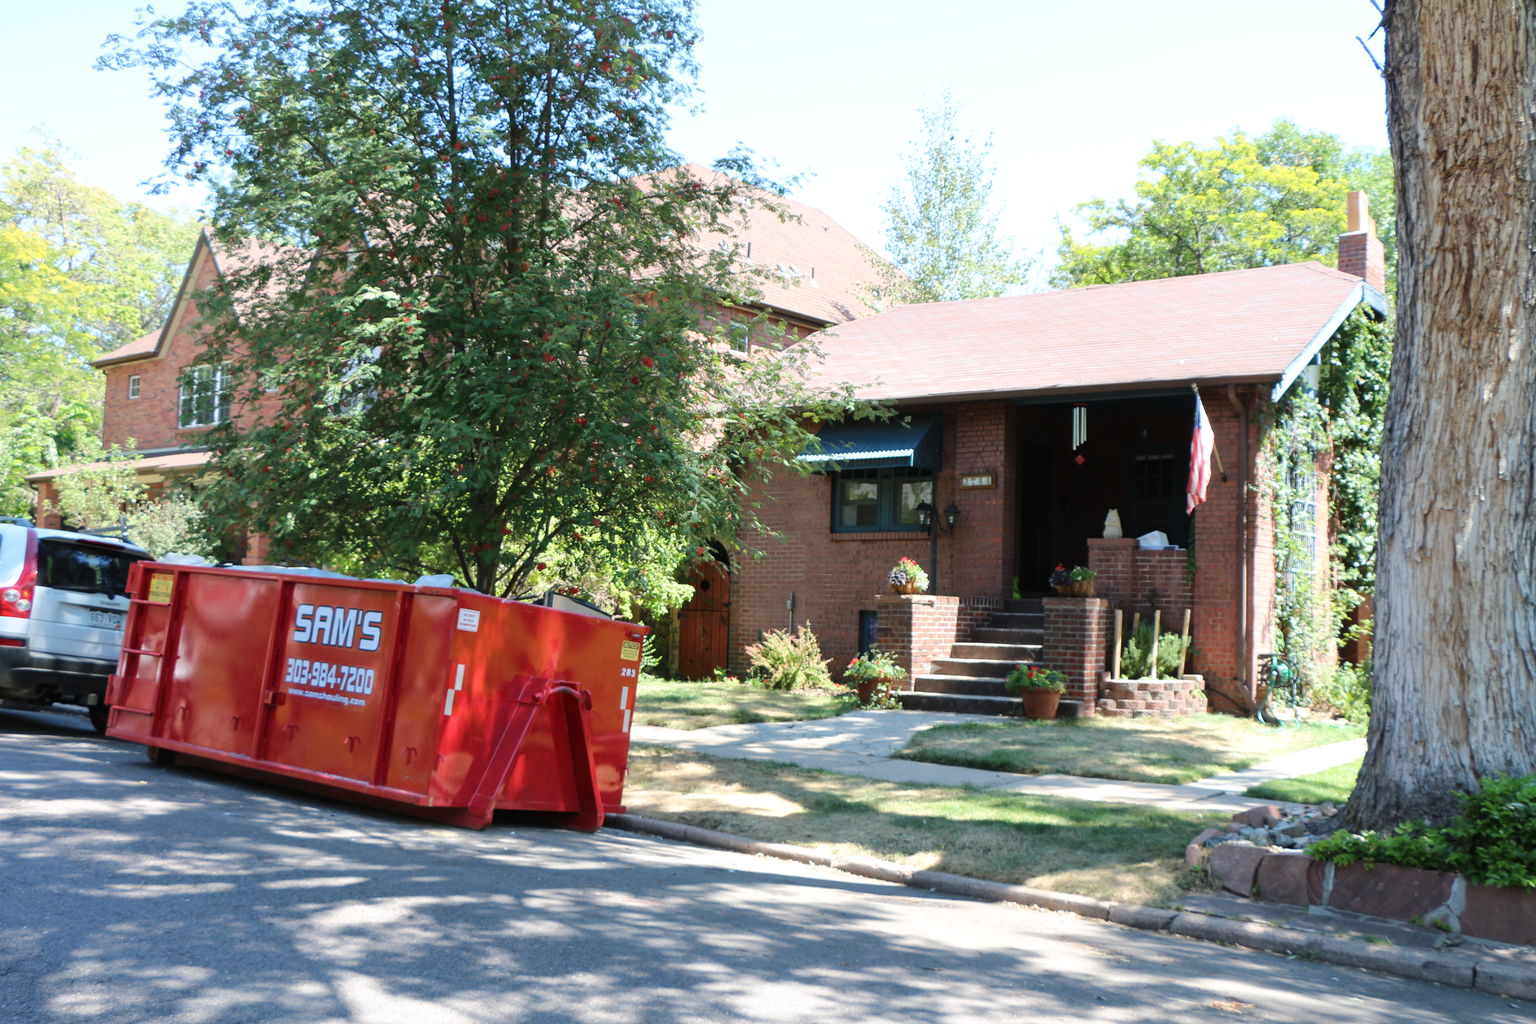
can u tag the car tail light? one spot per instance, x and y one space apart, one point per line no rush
16 599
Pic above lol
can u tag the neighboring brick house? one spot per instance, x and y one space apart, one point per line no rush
1032 417
809 271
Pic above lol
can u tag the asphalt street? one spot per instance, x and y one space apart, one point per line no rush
132 892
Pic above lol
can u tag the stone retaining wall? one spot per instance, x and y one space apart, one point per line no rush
1436 899
1160 698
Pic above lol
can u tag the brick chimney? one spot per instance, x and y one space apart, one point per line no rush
1360 252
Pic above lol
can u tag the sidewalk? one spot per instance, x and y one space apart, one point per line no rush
863 742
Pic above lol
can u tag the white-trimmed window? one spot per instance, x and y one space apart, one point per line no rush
133 386
204 396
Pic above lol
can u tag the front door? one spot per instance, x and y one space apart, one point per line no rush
1035 504
703 623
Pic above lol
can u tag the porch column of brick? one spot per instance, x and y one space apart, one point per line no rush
1076 637
916 629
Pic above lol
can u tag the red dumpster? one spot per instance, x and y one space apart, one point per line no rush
432 700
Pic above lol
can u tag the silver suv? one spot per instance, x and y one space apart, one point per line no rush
63 602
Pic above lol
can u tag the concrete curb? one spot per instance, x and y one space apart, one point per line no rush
1460 971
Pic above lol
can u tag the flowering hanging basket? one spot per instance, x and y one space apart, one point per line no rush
905 587
1076 588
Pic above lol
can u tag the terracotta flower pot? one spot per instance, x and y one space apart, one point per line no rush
1040 703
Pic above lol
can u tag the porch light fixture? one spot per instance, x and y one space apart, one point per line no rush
925 517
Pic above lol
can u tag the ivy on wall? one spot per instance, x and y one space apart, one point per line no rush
1334 430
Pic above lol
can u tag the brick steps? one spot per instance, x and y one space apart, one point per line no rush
971 680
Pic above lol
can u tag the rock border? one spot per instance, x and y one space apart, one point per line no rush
1436 899
1504 979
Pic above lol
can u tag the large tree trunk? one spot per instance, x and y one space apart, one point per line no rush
1456 652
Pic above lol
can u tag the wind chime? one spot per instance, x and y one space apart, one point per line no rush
1079 431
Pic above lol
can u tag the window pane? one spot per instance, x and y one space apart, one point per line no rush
911 494
860 504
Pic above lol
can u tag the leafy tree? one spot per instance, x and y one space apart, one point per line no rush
941 226
127 258
1455 654
477 332
1244 202
81 272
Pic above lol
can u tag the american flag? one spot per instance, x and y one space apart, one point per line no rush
1200 445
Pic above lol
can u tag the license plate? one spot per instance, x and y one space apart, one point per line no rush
107 620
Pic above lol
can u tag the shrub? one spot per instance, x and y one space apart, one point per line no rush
1136 656
790 661
1346 692
1491 842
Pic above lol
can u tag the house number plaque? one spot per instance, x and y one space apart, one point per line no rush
972 480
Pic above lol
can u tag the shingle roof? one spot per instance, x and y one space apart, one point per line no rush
148 464
144 346
810 266
1242 325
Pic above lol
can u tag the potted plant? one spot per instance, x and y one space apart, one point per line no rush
870 671
908 577
1074 582
1040 688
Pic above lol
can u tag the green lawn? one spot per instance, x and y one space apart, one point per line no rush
1111 851
1332 786
675 704
1166 750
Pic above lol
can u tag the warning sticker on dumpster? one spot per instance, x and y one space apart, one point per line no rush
160 584
629 650
469 620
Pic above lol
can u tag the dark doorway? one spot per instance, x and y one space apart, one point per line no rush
704 623
1036 490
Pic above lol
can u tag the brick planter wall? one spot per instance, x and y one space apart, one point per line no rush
916 629
1160 698
1076 639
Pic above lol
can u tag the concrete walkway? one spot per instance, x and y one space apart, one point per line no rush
863 742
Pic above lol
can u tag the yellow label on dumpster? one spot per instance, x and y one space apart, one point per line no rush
629 651
160 584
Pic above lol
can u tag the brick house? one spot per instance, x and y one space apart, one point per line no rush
810 274
1026 419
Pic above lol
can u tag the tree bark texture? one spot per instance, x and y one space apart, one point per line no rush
1456 620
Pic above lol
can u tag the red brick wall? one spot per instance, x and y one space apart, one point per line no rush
151 419
1223 656
833 576
1076 639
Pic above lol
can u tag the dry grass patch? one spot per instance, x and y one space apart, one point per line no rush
1166 750
1110 851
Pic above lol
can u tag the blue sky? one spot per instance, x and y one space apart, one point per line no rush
828 90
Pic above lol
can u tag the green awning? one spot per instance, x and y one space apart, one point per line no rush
913 442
